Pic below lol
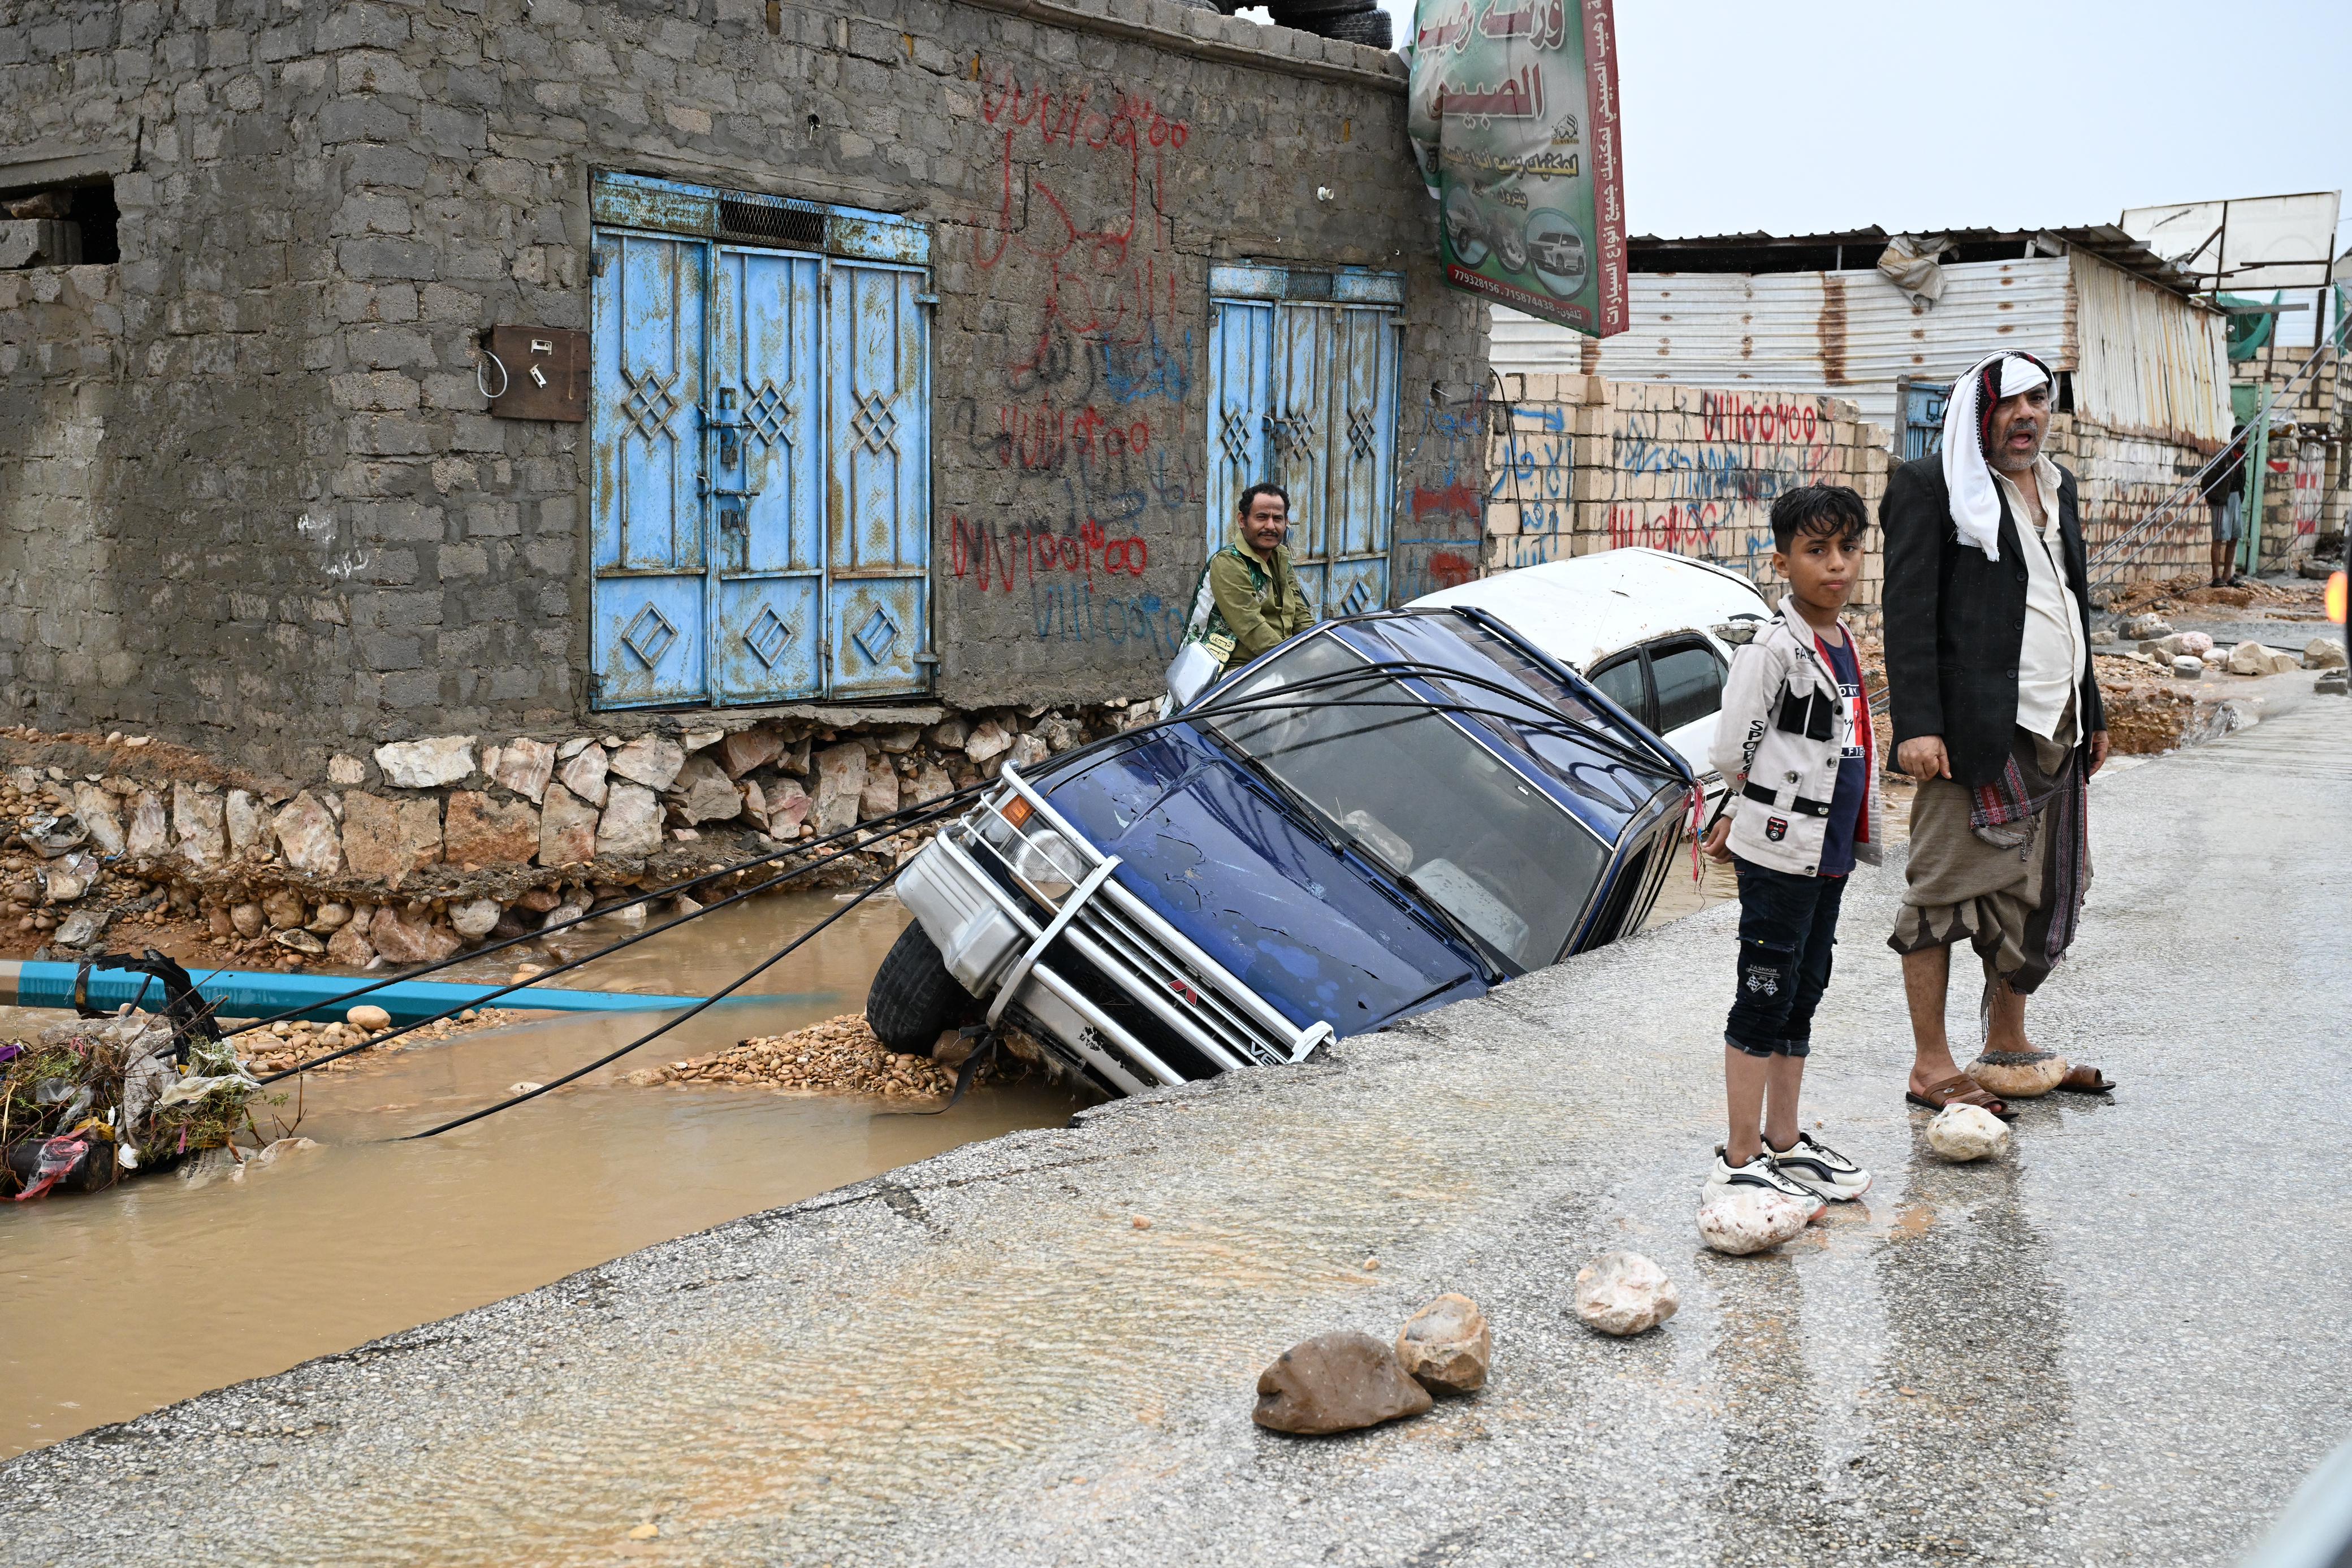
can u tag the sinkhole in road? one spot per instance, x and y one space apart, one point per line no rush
119 1302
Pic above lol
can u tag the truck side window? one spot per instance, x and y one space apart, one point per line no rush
1689 681
1620 680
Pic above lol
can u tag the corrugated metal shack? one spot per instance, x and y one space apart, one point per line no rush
2143 366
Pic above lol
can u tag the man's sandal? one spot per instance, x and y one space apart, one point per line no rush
1960 1091
2087 1081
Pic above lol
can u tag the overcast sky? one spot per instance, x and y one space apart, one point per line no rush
1796 118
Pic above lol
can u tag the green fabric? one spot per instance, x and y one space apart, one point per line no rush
1255 607
2249 333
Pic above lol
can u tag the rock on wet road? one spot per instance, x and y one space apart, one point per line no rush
2039 1359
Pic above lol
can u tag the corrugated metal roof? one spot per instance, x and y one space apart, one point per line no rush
2147 362
1649 253
1851 334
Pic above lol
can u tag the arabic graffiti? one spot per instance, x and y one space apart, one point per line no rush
1095 328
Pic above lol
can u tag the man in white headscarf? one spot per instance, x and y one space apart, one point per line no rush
1997 714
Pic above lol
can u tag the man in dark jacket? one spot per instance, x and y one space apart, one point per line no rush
2220 486
1997 713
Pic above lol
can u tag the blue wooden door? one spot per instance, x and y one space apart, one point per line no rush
1240 408
767 460
760 494
1363 472
1303 393
648 559
877 477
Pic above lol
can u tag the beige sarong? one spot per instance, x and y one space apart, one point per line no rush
1960 886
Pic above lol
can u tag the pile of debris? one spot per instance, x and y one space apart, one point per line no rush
93 1100
285 1044
839 1056
2194 589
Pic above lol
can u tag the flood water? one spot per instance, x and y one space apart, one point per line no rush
115 1303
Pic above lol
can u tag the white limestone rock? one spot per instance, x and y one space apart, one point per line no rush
427 764
95 808
705 793
2324 654
197 819
306 836
1965 1133
651 760
840 785
632 822
346 771
243 815
583 775
474 918
151 829
523 766
1739 1220
986 741
1624 1293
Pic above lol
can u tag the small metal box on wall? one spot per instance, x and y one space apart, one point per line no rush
536 373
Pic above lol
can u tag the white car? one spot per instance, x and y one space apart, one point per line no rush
1644 625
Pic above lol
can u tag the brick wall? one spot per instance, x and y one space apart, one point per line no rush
251 497
1579 464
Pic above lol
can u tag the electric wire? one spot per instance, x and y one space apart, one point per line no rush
656 1033
1233 703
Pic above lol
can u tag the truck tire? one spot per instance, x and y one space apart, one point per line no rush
913 997
1367 27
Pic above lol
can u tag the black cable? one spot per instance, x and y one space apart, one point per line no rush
598 912
945 806
925 812
654 1034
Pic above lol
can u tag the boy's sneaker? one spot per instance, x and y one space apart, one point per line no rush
1820 1169
1762 1171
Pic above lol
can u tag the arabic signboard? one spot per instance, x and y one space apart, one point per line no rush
1514 118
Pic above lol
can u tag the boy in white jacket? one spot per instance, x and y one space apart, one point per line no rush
1800 810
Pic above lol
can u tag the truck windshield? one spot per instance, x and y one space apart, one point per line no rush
1417 794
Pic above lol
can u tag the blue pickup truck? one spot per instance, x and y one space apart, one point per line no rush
1384 814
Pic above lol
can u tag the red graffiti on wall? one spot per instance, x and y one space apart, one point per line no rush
1451 503
1681 529
975 552
1739 416
1107 272
1448 568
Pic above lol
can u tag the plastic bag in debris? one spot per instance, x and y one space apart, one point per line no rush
186 1090
52 1162
53 836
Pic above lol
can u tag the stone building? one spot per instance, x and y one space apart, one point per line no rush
901 353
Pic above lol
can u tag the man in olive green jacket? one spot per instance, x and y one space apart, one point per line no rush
1258 603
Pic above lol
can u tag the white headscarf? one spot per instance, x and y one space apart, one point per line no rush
1975 500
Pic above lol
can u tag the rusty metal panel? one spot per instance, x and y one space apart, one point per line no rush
2152 363
542 372
639 201
1850 334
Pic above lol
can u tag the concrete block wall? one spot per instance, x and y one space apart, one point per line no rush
250 497
1579 464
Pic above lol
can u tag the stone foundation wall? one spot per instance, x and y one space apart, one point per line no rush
418 850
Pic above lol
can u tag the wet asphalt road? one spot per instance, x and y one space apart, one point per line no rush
2126 1343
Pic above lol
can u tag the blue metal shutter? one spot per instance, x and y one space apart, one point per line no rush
1362 460
1241 409
877 437
1301 440
768 490
648 548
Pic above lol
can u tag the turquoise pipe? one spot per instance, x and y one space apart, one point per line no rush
246 994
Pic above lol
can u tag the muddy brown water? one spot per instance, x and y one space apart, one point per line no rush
113 1304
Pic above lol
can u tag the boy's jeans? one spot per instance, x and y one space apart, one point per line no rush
1787 925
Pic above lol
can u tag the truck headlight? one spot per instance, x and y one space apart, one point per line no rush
1049 864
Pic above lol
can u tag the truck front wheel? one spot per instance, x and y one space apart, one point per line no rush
913 997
